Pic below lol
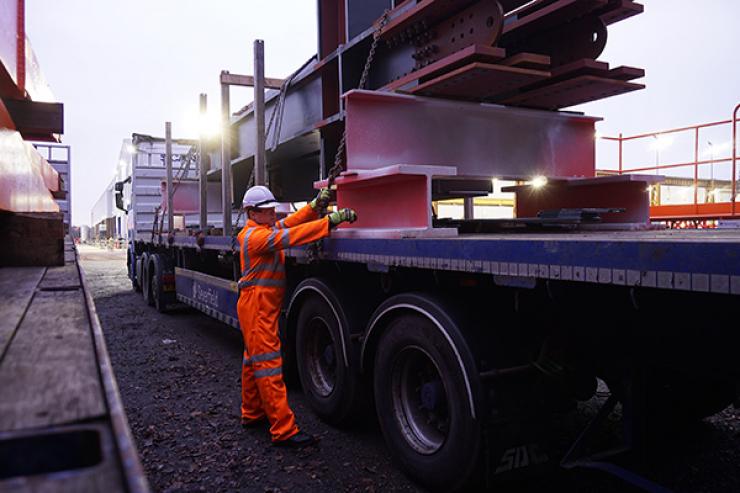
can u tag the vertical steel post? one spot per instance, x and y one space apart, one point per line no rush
226 159
733 196
259 111
202 176
696 170
168 165
468 208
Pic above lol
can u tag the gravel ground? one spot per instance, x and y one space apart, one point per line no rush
178 376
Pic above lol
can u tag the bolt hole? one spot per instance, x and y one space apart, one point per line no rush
489 22
462 35
471 31
453 39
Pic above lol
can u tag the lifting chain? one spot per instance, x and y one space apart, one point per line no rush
337 168
313 250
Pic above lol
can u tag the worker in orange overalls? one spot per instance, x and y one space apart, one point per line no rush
261 292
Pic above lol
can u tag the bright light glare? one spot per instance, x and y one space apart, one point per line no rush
661 142
123 163
649 189
538 182
209 126
131 149
597 135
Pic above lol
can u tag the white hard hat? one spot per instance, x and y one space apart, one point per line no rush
259 196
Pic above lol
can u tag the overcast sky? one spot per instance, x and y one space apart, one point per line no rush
122 67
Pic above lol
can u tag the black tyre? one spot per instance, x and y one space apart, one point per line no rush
333 389
139 268
131 267
422 405
145 279
162 294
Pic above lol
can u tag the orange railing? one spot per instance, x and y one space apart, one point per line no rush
714 197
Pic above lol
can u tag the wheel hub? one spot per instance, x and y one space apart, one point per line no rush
320 357
420 400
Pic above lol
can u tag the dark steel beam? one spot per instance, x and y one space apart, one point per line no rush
34 118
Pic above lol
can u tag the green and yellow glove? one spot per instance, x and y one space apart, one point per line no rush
322 199
342 216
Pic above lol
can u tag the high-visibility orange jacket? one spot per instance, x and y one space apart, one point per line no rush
261 292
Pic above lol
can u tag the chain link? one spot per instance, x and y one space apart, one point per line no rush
337 168
314 250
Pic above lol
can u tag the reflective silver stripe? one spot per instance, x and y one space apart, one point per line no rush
271 240
281 223
270 283
258 358
286 238
245 251
246 362
275 266
269 372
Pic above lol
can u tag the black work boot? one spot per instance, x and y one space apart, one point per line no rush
299 440
254 423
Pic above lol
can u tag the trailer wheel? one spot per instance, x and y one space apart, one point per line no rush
162 299
134 269
145 280
332 389
422 406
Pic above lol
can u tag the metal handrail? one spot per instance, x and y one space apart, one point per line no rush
695 163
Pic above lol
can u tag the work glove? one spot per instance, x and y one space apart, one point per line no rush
342 216
322 200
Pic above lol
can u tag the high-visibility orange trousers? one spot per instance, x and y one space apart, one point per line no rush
263 389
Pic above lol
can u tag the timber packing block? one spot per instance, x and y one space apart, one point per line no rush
31 239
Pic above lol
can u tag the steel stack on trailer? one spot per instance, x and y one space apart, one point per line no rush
62 426
470 334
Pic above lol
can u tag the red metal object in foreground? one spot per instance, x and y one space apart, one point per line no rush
626 191
395 198
386 129
27 180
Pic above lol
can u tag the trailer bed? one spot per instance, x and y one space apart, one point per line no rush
703 261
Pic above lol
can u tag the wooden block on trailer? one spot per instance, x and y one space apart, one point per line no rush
528 60
478 81
469 54
32 239
626 73
619 10
571 92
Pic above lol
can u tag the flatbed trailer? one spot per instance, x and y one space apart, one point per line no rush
62 423
523 324
467 337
